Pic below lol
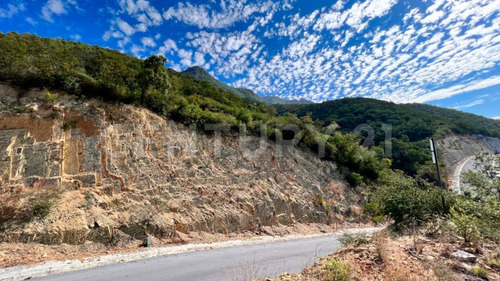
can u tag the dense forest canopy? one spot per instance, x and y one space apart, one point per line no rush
414 122
411 125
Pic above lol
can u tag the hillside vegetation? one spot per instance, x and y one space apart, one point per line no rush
201 74
411 122
278 100
195 97
411 125
30 61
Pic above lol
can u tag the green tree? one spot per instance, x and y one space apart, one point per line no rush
154 75
485 180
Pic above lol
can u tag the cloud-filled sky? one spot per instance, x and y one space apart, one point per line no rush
440 52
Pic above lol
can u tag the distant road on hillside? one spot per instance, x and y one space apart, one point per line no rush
463 166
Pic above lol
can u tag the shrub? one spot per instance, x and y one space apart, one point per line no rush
320 201
380 240
464 224
494 263
24 206
337 271
40 205
480 272
353 239
50 98
354 179
378 219
472 219
402 199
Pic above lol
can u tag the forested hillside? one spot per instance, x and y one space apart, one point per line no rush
411 126
413 121
278 100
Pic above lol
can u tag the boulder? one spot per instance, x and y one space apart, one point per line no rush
464 256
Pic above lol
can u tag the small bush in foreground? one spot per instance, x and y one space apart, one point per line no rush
494 263
404 200
354 179
354 239
337 271
40 205
480 272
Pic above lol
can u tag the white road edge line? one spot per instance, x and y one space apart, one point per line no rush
54 267
458 171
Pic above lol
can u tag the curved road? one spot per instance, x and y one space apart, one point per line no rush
232 263
467 164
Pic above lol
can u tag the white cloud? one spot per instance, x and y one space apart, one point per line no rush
136 50
31 21
143 16
123 42
76 37
205 16
459 89
142 11
199 59
53 7
185 57
229 53
433 17
356 17
496 118
169 46
148 42
125 27
470 104
11 10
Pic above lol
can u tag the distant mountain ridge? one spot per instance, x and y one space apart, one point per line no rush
201 74
278 100
413 121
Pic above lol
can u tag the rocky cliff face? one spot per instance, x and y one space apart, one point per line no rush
455 148
78 169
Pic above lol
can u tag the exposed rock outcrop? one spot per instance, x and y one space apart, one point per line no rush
122 172
455 148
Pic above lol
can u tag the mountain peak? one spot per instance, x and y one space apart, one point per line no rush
199 73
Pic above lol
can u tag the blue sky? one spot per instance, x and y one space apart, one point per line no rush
441 52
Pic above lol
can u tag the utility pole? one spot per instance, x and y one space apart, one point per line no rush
435 161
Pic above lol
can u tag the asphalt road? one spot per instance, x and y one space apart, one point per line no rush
465 165
232 263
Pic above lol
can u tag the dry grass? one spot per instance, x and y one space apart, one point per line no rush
443 272
400 274
380 240
21 205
